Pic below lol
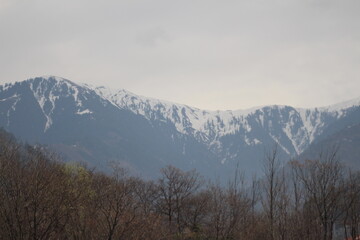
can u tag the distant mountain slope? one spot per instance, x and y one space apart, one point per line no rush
99 125
346 142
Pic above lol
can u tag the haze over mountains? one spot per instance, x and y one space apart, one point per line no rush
101 126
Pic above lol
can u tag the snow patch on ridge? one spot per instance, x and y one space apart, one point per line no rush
12 108
47 94
279 143
86 111
41 99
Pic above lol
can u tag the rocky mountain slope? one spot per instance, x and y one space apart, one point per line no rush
346 142
100 126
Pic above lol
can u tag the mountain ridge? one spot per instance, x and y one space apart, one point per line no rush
191 120
58 104
335 106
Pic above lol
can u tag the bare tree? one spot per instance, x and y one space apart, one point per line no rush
175 188
195 211
230 210
116 205
274 198
351 205
218 219
150 224
323 180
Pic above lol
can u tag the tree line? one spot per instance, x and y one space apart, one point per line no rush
42 198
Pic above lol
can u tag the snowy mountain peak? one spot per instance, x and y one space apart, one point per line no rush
52 77
343 105
47 90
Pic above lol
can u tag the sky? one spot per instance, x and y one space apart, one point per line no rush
210 54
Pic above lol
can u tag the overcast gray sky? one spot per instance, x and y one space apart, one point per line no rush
205 53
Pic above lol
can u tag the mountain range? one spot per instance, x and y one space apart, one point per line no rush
101 127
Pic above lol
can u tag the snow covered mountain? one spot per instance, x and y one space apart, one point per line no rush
100 125
294 128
